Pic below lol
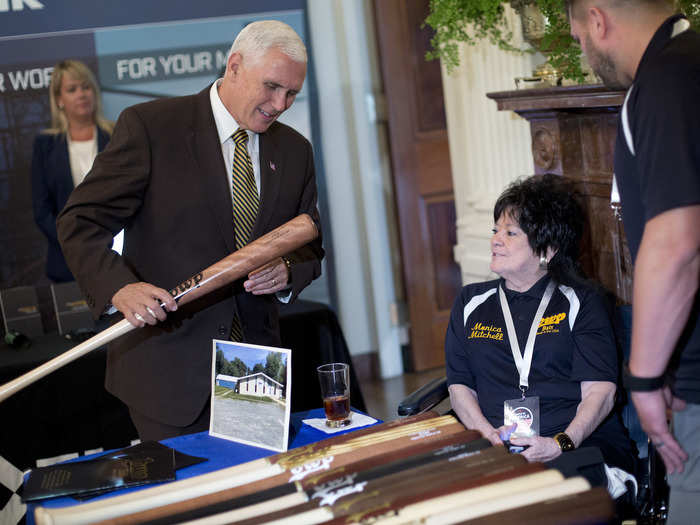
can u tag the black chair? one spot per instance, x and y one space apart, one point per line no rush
425 398
312 331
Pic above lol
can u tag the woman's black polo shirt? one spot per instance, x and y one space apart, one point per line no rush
574 343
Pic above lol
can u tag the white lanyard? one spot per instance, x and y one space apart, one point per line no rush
522 363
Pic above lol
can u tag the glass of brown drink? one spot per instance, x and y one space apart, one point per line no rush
335 389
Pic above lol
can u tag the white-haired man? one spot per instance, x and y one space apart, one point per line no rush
643 46
191 179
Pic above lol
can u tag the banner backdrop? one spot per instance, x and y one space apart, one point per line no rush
138 51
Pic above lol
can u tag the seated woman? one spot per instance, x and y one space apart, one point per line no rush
537 338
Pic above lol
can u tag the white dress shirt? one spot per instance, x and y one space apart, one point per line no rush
226 126
81 155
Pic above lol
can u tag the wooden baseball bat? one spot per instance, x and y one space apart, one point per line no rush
592 506
282 240
383 509
398 459
471 508
278 486
470 494
330 502
297 463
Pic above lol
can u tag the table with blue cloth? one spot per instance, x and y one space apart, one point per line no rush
220 453
69 411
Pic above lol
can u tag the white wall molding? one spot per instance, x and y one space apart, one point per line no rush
357 177
488 148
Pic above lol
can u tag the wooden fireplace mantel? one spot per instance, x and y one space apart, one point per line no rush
573 132
569 98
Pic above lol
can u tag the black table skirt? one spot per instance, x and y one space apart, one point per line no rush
311 330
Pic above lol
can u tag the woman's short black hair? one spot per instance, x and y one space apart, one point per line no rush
546 209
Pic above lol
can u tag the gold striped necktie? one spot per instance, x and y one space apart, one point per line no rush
245 192
245 204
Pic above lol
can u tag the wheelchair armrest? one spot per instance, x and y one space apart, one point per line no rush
425 398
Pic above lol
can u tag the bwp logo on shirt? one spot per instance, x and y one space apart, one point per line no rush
548 325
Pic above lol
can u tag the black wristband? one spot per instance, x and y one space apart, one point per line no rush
641 384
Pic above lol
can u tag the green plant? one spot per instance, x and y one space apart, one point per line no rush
563 53
691 8
469 21
456 21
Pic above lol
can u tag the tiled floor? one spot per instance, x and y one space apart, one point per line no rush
382 397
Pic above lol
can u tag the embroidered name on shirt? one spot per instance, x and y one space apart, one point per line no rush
548 325
482 331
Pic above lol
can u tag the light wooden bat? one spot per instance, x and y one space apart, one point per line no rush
282 240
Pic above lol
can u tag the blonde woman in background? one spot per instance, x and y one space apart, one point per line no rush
63 153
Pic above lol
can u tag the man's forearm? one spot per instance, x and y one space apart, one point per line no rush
665 284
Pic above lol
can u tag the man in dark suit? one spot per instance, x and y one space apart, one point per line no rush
167 179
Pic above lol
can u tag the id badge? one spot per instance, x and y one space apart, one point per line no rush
526 413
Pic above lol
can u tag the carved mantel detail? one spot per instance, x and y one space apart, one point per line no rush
544 150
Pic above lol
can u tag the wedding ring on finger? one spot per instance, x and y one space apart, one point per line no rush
150 311
138 317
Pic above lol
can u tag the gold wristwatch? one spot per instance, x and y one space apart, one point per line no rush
288 264
564 441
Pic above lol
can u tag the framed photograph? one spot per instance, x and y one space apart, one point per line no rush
250 394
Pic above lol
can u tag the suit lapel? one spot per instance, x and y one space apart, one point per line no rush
203 142
63 178
270 180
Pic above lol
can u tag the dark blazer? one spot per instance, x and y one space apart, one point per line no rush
52 183
164 180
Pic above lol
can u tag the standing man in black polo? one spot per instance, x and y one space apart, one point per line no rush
643 46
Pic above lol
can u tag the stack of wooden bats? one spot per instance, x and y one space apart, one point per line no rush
422 469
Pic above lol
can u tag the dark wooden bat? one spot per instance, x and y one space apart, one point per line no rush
512 476
497 497
585 508
282 240
426 501
371 511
